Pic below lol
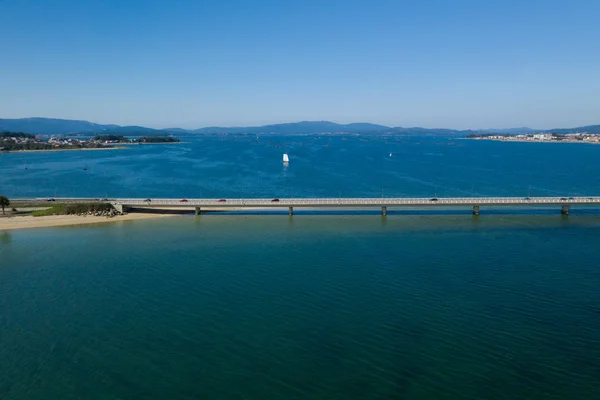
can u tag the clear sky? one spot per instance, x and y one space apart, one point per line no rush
167 63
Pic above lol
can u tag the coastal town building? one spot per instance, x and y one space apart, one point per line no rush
577 137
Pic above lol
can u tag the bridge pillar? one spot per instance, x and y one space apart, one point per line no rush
119 207
197 210
291 211
475 210
384 211
565 209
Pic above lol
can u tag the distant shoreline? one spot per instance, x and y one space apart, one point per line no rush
135 143
532 141
53 150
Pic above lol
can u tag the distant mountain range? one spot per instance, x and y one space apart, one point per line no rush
54 126
298 128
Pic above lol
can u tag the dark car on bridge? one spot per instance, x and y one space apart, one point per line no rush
148 200
434 199
221 201
274 200
50 199
183 201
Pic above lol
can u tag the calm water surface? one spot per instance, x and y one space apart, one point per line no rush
308 307
350 166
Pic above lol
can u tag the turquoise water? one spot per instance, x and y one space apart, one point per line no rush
313 306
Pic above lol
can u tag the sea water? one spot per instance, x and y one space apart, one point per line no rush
320 166
408 306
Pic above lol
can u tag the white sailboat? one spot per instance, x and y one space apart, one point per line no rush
286 159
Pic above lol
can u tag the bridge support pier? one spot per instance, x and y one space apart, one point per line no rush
120 208
475 210
565 209
291 211
197 210
384 211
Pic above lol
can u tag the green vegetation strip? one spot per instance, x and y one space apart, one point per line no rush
54 210
67 209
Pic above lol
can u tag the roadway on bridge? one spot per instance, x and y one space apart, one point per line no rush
361 202
327 202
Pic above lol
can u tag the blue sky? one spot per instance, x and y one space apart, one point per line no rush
456 64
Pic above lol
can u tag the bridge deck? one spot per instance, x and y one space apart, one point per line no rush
363 202
330 202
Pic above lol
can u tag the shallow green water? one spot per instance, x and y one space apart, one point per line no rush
309 307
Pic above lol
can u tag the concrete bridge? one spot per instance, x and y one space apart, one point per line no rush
200 205
207 205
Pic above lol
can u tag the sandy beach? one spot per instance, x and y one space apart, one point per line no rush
28 221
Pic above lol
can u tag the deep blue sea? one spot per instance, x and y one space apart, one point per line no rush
314 306
332 166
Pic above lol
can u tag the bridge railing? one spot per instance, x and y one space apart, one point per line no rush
361 201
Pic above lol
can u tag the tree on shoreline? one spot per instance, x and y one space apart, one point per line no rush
4 202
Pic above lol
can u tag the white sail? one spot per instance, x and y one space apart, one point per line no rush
286 158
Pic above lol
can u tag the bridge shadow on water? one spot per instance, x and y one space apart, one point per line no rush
392 212
159 211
